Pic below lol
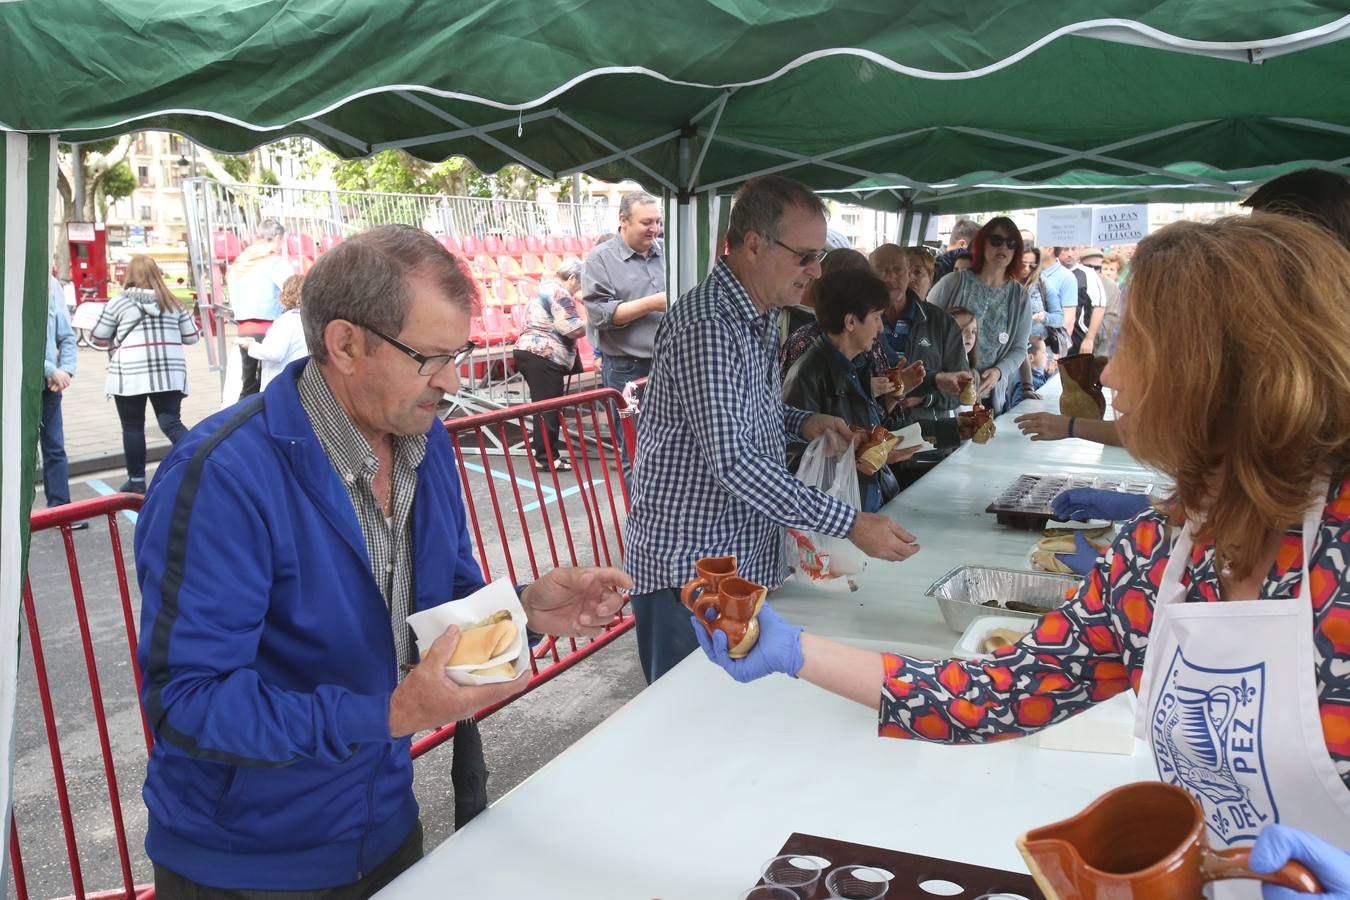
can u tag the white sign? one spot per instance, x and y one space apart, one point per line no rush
1119 224
80 232
1064 226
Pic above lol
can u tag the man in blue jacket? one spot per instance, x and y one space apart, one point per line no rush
280 549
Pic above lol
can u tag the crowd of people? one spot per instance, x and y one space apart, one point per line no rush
281 761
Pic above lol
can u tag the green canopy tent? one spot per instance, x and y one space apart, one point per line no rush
691 98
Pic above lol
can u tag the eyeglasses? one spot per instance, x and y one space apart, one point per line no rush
804 257
998 240
426 365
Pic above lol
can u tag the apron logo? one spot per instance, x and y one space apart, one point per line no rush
1206 730
924 342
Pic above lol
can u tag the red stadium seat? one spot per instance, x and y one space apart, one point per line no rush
532 265
534 243
472 244
509 266
551 261
449 242
486 264
555 244
301 244
514 244
328 242
573 244
226 245
493 244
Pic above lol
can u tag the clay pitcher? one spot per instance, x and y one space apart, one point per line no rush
708 574
1142 841
1081 379
733 609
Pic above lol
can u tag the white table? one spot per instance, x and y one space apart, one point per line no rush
689 787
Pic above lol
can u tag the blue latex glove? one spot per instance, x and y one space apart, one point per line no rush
1277 844
1082 504
779 648
1082 560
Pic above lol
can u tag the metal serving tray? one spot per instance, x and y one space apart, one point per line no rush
962 593
1026 502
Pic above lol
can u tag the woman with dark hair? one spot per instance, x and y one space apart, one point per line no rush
1225 606
993 291
546 353
834 374
145 328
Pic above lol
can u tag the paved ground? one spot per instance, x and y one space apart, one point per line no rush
518 740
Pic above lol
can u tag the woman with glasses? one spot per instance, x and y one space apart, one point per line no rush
992 289
546 353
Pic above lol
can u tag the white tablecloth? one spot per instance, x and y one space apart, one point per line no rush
685 791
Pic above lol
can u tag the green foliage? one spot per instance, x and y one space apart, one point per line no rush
238 167
118 182
267 176
397 172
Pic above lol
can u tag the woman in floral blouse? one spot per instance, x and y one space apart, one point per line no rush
1246 704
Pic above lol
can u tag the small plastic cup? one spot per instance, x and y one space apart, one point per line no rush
857 883
799 874
769 892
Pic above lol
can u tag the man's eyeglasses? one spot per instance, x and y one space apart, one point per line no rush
804 257
426 365
998 240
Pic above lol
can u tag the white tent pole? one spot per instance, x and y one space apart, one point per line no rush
488 139
24 196
477 131
688 242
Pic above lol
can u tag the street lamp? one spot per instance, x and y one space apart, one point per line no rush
184 167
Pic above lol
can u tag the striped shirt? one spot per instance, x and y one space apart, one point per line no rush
710 477
388 541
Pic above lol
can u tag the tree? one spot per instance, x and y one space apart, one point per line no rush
105 172
399 172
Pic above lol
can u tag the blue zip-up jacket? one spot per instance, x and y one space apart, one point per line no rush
268 656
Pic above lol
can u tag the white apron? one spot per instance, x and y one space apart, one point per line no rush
1228 703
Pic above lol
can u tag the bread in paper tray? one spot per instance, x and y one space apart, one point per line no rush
506 644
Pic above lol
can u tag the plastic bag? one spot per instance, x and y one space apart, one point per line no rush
818 559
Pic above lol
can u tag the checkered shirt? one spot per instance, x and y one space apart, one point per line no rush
388 544
709 475
147 356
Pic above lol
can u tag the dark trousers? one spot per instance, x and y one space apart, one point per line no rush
545 380
52 441
616 372
664 633
131 410
169 885
252 372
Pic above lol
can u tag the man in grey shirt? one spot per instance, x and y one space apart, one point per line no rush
623 285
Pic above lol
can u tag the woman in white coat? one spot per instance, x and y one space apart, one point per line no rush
285 340
1217 386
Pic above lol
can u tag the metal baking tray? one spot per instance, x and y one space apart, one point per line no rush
962 593
1026 502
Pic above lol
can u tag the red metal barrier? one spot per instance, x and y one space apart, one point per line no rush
588 531
61 518
570 518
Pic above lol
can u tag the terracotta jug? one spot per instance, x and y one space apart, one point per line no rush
1142 841
708 574
1081 377
726 603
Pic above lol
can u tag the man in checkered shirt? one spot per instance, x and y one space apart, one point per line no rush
710 477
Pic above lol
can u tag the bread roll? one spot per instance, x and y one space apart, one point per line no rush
1045 561
505 668
999 638
479 644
